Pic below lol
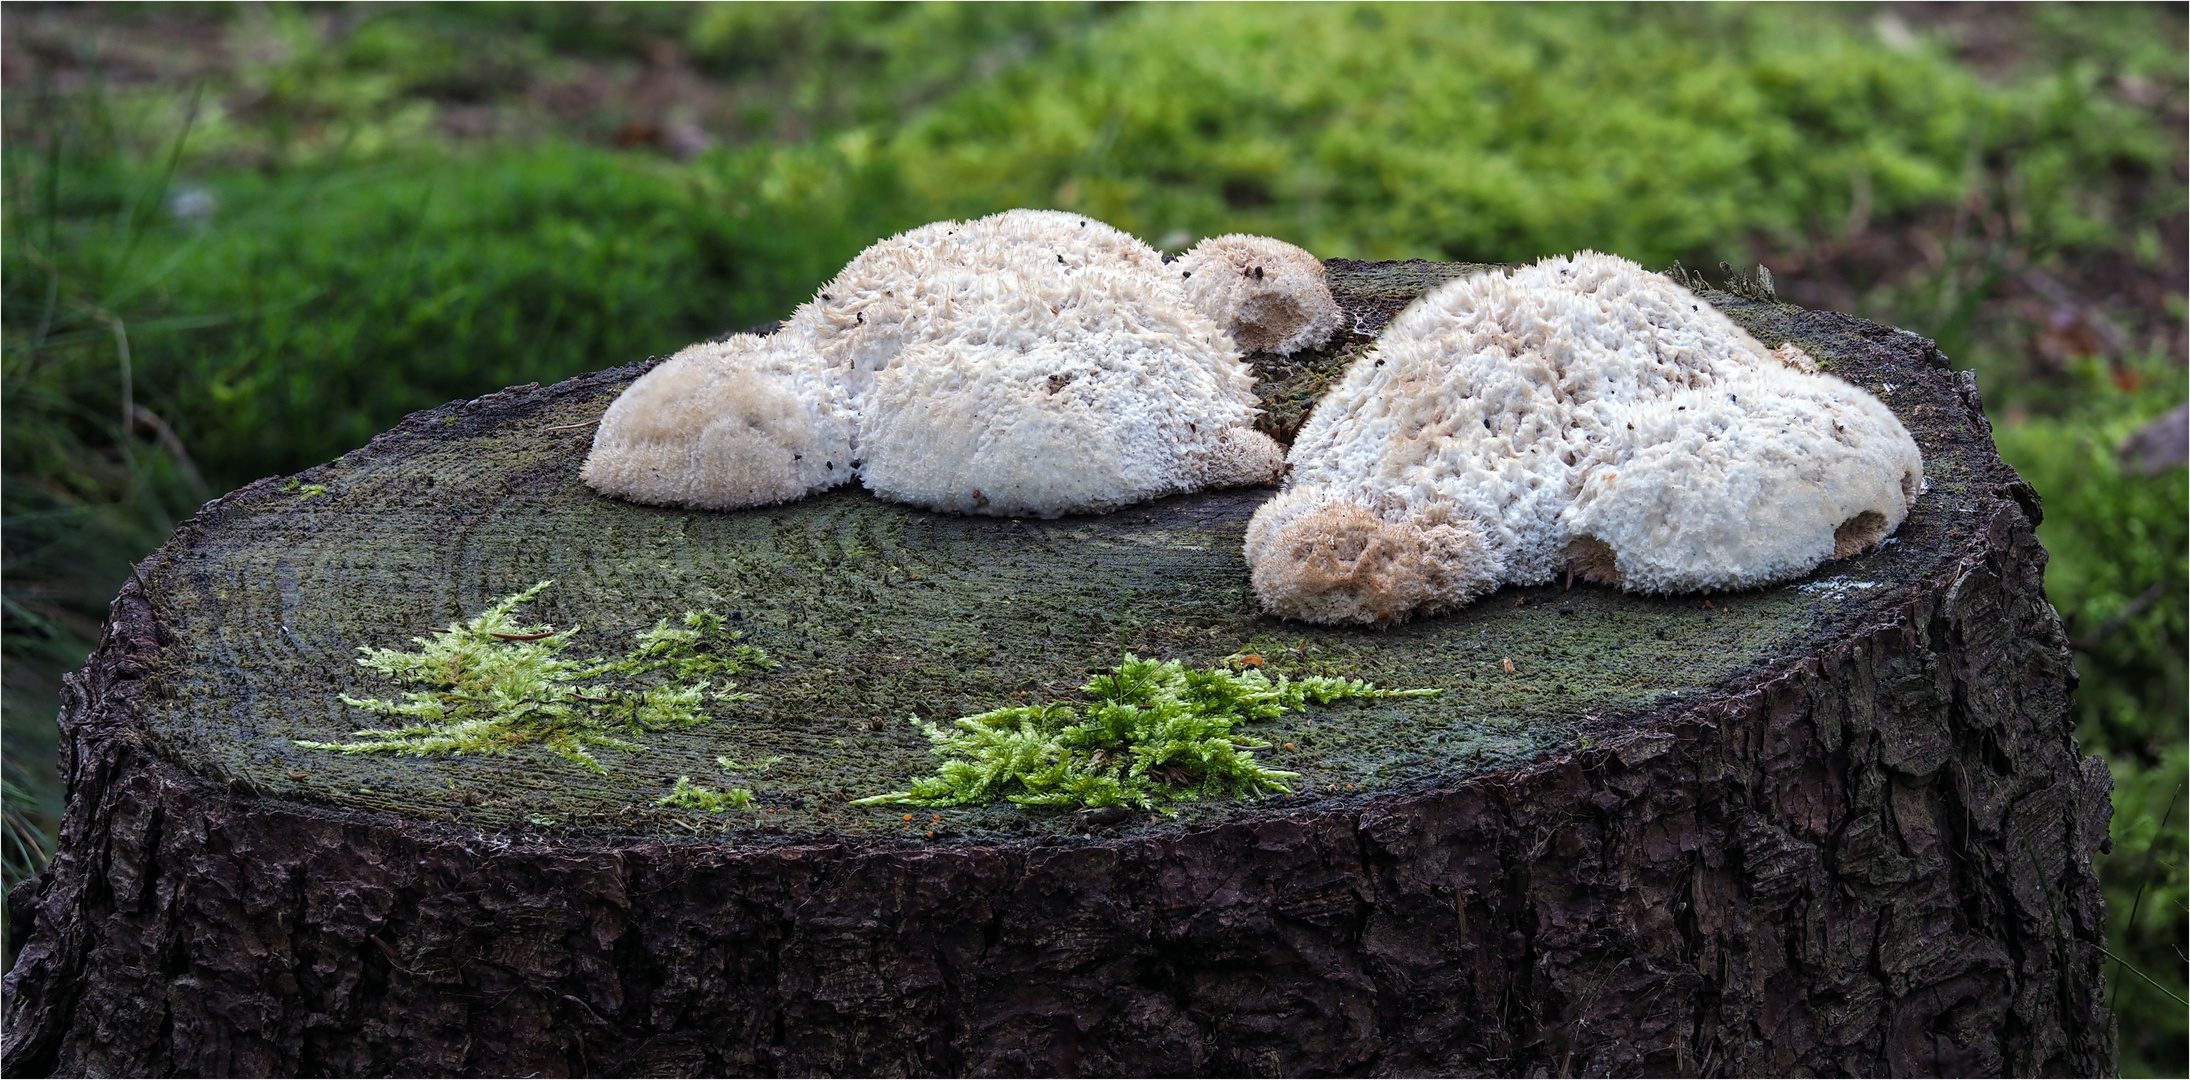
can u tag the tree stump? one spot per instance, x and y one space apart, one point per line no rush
1839 826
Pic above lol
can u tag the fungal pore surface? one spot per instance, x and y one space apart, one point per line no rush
1580 415
1031 363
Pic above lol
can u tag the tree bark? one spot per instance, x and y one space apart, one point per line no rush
1835 827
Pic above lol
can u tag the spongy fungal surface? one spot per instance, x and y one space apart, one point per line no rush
1031 363
1578 415
1034 363
1269 295
745 421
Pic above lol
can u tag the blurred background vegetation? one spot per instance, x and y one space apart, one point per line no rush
239 240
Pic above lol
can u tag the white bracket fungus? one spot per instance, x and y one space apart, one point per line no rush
1030 363
1578 415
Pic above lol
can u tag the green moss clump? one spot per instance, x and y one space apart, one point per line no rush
733 765
491 685
691 796
1154 733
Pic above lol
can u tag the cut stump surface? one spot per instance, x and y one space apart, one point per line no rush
1837 826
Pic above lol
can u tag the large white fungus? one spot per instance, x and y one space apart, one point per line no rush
1031 363
1580 415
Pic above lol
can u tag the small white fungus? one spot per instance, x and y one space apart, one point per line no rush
744 421
1030 363
1580 415
1270 295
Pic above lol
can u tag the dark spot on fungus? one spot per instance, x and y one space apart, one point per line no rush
1592 559
1858 533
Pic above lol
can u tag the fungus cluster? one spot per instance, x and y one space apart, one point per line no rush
1580 415
1029 363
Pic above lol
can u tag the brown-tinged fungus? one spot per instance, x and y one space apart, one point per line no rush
744 421
1269 295
1580 414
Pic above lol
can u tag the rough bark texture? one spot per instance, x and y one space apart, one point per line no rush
1858 842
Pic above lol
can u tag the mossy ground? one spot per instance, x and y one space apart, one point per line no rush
878 612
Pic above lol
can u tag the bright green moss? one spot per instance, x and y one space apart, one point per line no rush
492 684
733 765
691 796
1153 733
